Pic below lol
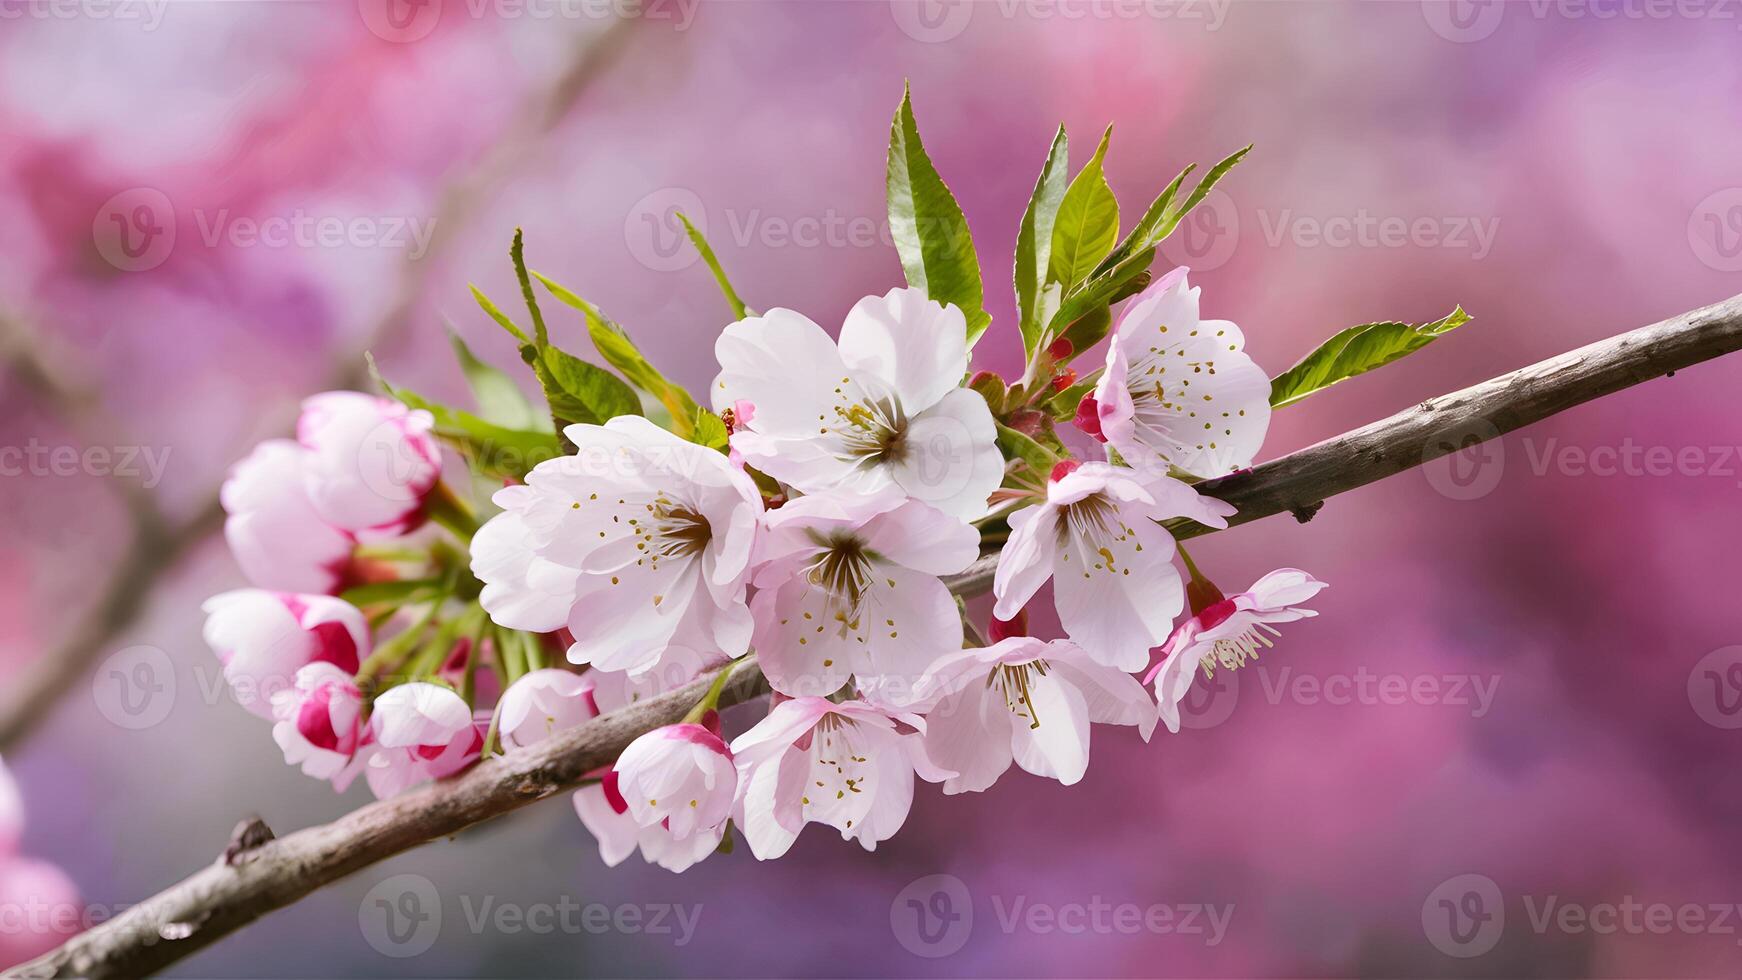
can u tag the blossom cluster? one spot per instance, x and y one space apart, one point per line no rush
849 479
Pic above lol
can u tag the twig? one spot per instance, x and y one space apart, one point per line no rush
157 544
222 898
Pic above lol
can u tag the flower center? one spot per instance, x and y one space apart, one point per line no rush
842 569
1094 521
1233 652
833 757
873 432
1012 680
676 531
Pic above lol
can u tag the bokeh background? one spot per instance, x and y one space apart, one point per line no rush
1524 692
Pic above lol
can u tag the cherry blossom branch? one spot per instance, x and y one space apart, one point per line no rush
255 877
157 544
1300 482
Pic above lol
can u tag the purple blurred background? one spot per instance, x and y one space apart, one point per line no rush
1527 668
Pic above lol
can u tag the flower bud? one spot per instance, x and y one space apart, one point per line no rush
420 731
318 723
679 776
542 703
372 461
264 638
272 527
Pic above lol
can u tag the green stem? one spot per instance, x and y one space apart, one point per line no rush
1191 566
711 700
447 509
391 652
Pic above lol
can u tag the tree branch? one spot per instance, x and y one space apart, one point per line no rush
250 882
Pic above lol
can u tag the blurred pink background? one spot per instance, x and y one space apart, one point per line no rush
1561 622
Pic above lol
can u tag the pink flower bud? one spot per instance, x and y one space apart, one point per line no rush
681 777
273 529
318 723
542 703
264 638
418 732
43 908
372 461
1063 468
1089 416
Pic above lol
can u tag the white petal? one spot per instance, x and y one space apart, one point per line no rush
923 538
784 365
914 345
802 648
1027 560
1056 743
1283 588
909 620
1118 609
617 833
970 733
1112 696
952 460
767 838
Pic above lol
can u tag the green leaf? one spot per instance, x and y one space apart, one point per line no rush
739 310
500 317
621 353
1088 222
1034 242
499 399
1085 316
709 430
1149 231
517 254
931 233
1357 350
1036 461
493 450
583 392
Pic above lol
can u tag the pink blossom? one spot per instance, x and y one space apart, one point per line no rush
319 723
883 409
542 703
42 905
679 776
619 835
1226 632
1179 391
418 732
849 765
371 461
640 543
849 586
1096 536
264 638
1024 700
273 530
11 811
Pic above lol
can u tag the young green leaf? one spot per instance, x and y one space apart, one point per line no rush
1085 316
1036 461
583 392
931 232
620 352
739 310
499 399
709 430
517 254
495 313
1034 242
1088 222
493 450
1355 351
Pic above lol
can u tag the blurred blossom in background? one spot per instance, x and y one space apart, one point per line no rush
1507 746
